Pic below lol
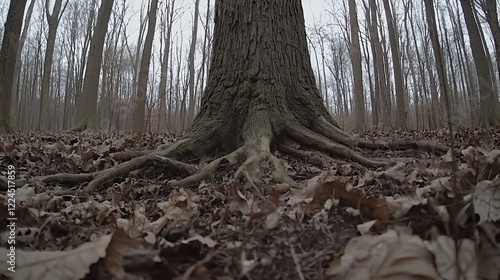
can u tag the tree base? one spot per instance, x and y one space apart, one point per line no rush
247 160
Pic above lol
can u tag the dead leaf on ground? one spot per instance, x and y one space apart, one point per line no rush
73 264
387 256
451 264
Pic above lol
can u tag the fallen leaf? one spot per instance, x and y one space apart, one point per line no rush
387 256
73 264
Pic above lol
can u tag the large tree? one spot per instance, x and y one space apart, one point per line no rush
8 54
488 97
261 91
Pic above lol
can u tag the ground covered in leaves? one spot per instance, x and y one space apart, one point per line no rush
422 217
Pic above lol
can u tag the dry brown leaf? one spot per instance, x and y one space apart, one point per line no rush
399 205
387 256
488 258
112 266
487 200
182 205
56 265
445 257
238 201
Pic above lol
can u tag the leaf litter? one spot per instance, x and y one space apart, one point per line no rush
342 222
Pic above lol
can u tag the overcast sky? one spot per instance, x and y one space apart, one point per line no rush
315 11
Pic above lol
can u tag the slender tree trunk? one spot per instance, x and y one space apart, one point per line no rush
88 110
166 31
192 50
355 54
401 116
140 103
53 22
438 56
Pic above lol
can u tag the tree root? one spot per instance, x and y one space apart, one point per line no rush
209 169
313 157
252 156
311 138
334 133
123 169
247 160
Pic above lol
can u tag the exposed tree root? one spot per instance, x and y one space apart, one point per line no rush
123 169
311 138
209 169
334 133
313 157
248 161
249 158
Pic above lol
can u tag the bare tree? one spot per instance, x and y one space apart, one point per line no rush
166 31
488 98
438 56
401 116
53 21
192 50
87 109
17 67
355 53
140 102
8 54
491 16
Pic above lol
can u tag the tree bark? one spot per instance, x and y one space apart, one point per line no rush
192 50
168 20
87 119
140 102
438 56
8 54
488 99
490 7
355 53
17 67
401 116
53 22
381 88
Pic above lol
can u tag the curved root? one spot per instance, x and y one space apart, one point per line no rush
313 157
209 169
325 128
304 135
123 169
253 154
249 158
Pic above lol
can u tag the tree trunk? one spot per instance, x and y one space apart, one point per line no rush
168 21
401 116
88 106
53 22
261 88
488 98
192 50
490 7
140 102
438 56
8 54
355 53
381 87
17 67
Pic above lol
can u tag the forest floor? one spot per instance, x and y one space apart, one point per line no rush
345 222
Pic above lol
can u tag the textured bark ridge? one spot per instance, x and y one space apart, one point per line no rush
261 91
